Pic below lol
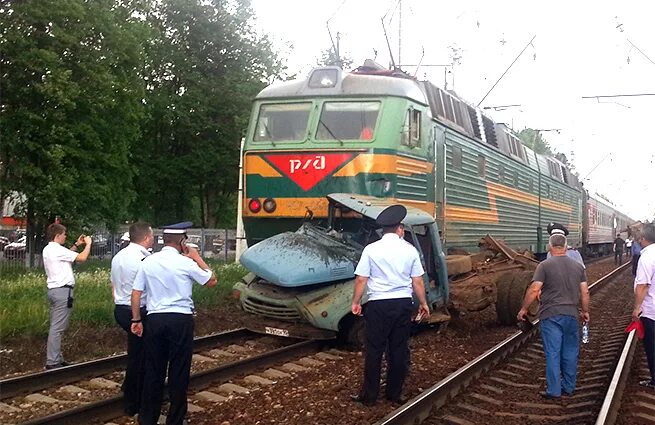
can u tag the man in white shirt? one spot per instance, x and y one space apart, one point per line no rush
167 278
124 267
390 268
645 298
57 261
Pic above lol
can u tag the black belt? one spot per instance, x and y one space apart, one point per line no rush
129 307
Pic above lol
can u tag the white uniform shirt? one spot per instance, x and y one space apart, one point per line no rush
167 277
124 266
646 275
57 261
389 276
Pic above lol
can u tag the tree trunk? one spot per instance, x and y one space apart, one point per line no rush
30 244
209 209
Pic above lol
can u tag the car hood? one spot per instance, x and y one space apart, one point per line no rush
305 257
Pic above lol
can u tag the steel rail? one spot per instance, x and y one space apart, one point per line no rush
612 402
23 384
112 408
418 408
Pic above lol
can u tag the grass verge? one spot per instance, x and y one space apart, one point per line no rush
24 304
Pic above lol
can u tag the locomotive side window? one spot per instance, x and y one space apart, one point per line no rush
285 121
411 134
348 121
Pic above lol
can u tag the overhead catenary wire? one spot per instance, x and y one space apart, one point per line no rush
507 70
618 95
640 51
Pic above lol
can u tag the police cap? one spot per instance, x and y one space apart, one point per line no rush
391 216
177 228
556 228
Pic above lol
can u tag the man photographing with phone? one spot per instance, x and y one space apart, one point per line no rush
167 278
57 261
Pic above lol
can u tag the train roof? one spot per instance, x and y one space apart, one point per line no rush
333 81
445 106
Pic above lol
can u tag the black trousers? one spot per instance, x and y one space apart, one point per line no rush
168 346
649 344
133 383
618 257
635 261
388 326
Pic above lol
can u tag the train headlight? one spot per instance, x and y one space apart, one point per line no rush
254 205
270 205
324 78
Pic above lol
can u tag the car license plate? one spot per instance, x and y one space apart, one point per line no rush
276 331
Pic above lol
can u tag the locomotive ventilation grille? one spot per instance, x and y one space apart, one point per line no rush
268 309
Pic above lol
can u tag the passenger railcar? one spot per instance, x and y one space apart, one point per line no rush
602 222
378 132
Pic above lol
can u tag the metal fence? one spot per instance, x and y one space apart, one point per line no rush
218 244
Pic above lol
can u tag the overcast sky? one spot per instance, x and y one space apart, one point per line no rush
582 48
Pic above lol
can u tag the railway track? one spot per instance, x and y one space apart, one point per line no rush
207 396
503 385
90 392
23 384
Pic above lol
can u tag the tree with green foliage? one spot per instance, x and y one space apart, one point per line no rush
204 66
535 141
70 108
330 58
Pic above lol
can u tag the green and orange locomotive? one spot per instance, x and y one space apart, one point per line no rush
380 134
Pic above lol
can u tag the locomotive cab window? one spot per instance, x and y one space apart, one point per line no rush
411 135
285 121
348 121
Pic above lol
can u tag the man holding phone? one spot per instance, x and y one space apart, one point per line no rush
57 261
167 277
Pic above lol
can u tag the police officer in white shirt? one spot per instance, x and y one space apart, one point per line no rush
167 277
57 262
644 307
389 268
124 267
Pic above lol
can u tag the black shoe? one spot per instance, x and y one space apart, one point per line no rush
648 383
131 411
360 399
550 396
567 393
57 366
398 400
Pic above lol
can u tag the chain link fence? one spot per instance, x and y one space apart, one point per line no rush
217 244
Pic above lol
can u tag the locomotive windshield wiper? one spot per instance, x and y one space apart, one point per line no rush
268 132
320 121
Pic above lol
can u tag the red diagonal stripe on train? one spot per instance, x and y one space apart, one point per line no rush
307 170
